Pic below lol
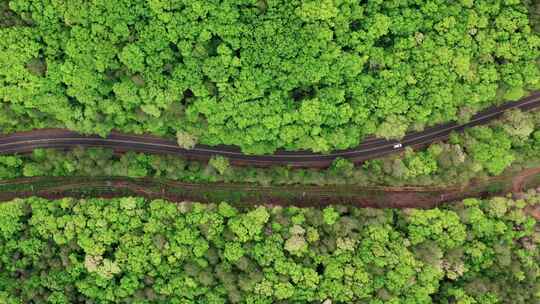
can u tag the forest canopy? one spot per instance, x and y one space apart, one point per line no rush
130 250
260 74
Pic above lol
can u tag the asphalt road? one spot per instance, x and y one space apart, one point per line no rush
24 142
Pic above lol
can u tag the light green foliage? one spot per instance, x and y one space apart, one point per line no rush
10 214
185 140
515 93
330 215
421 163
443 227
129 250
317 10
219 163
249 226
393 127
132 56
233 251
491 149
518 124
103 267
296 245
226 210
342 167
259 74
9 165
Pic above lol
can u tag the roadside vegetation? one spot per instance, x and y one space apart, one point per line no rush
261 74
129 250
509 144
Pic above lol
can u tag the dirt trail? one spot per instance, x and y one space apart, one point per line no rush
242 194
519 181
534 211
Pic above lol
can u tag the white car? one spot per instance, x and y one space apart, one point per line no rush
397 146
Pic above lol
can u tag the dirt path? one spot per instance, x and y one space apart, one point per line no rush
519 181
534 211
242 194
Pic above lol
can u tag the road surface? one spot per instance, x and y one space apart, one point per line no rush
24 142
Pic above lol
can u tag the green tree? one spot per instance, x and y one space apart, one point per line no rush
219 163
491 149
186 140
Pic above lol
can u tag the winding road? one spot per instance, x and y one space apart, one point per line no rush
24 142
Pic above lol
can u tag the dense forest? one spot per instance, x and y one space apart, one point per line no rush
260 74
263 75
129 250
511 143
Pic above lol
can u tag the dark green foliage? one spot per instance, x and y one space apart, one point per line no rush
260 74
130 250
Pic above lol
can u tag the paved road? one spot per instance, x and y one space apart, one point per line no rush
24 142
